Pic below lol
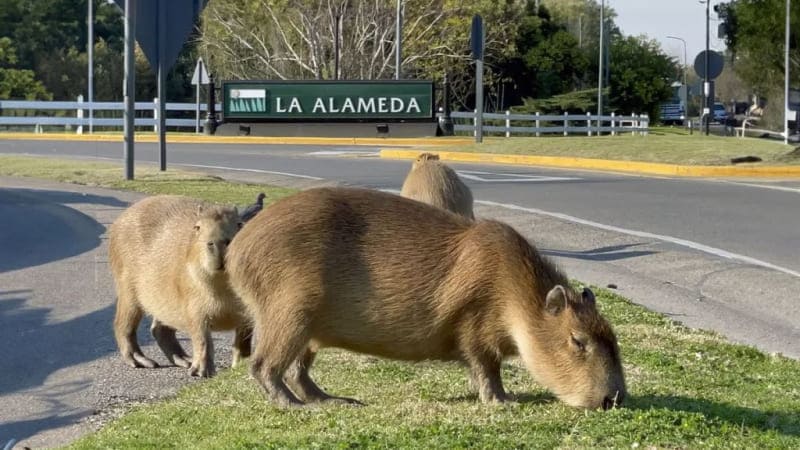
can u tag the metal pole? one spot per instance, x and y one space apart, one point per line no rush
398 35
684 56
600 69
706 85
130 85
336 49
786 77
197 96
479 100
162 84
90 53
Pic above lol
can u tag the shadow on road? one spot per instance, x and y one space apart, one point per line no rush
41 348
610 253
38 227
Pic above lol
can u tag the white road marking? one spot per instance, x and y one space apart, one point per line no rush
295 175
643 234
764 186
475 175
343 153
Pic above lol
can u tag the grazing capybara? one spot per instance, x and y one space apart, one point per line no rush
380 274
167 257
432 182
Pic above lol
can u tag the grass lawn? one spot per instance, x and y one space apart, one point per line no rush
663 145
687 388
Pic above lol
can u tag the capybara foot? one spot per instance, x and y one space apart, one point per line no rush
182 361
202 370
138 360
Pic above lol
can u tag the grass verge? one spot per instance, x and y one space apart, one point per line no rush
662 145
687 388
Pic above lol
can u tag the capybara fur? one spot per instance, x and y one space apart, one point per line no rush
380 274
432 182
167 257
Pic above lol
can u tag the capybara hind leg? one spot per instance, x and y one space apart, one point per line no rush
126 321
269 378
165 337
300 382
242 344
202 353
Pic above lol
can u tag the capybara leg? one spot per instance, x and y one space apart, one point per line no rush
165 337
242 346
300 382
269 378
485 377
202 353
126 321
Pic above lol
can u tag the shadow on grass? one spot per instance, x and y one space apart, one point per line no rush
539 398
610 253
784 422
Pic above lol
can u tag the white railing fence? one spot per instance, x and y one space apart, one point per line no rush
80 116
538 124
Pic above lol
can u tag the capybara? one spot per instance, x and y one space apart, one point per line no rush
384 275
167 257
432 182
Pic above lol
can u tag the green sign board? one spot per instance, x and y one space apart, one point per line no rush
254 101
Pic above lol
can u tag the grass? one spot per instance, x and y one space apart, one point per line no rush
687 388
148 180
662 145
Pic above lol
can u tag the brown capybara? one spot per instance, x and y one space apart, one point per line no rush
384 275
167 257
432 182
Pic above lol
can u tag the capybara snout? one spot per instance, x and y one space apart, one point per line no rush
214 232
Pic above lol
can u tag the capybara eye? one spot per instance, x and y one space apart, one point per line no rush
210 245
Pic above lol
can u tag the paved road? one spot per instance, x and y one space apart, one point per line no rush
61 376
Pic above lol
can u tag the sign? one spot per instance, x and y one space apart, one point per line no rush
715 64
476 37
254 101
200 73
178 18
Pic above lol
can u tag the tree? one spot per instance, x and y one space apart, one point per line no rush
640 75
18 83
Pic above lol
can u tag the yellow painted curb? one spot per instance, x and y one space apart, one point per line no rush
608 165
204 139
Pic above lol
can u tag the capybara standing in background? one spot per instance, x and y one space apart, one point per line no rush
432 182
167 257
384 275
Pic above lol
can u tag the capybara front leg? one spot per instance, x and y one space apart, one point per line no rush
269 378
165 337
242 344
202 353
300 382
126 321
485 377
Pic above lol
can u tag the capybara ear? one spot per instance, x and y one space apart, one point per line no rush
197 226
199 210
556 300
588 296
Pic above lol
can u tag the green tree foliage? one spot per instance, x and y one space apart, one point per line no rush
640 75
18 83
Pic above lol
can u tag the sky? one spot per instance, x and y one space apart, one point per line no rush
661 18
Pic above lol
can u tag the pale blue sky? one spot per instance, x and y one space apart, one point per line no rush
661 18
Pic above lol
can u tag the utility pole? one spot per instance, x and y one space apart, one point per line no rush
600 69
130 85
706 82
786 76
90 53
398 36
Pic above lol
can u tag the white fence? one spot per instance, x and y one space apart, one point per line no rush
77 114
565 124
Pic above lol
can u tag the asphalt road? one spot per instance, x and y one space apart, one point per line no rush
677 246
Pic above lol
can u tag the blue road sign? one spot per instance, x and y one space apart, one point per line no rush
179 17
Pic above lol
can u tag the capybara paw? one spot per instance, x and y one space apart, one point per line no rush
181 361
142 361
202 371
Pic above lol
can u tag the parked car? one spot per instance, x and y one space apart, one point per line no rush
720 114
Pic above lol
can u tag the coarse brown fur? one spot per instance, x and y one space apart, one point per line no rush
167 257
380 274
432 182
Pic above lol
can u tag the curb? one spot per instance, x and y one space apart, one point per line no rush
607 165
204 139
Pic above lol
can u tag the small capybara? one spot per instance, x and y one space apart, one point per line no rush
167 257
380 274
432 182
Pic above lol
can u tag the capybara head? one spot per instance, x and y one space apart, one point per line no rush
425 157
214 230
578 354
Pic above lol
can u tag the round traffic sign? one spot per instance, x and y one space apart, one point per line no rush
715 64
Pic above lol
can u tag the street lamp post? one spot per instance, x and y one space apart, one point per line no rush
684 56
786 77
399 39
706 83
600 69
